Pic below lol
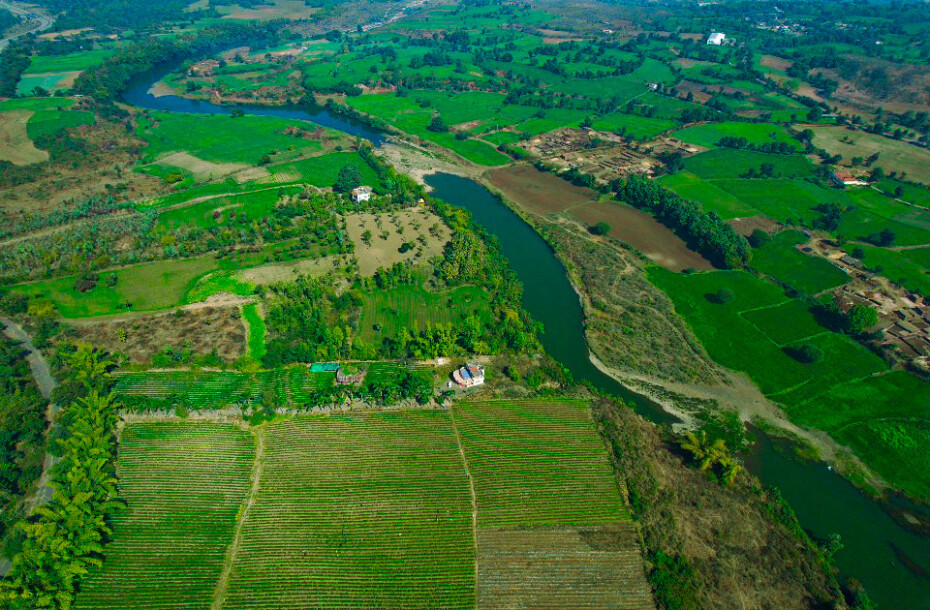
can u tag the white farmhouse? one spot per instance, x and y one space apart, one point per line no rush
360 194
716 39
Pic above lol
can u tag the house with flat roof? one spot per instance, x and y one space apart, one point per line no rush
717 38
360 194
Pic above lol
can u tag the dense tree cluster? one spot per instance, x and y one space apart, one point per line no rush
704 231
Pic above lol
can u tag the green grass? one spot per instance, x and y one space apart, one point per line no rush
730 163
783 200
74 62
709 195
253 206
412 307
183 484
909 268
49 122
223 139
256 333
363 510
323 170
149 286
896 449
639 127
36 103
528 457
785 323
756 133
786 264
917 195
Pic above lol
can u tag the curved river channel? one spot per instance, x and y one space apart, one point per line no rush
890 560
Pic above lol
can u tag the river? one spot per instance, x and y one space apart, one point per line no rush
825 503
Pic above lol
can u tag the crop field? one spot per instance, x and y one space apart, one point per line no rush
912 194
539 192
367 510
638 127
731 163
783 200
68 63
203 215
909 268
218 389
321 170
386 312
709 195
894 155
781 260
709 134
885 418
49 122
183 485
52 82
786 323
526 458
756 309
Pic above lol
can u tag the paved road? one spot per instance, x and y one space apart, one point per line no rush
38 23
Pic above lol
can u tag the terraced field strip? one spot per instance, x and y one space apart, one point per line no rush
183 484
363 511
553 530
216 389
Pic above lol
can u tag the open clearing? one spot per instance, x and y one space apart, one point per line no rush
287 271
373 509
15 145
644 233
202 170
539 192
894 155
275 9
390 231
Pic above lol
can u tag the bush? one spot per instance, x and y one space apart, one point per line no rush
806 353
437 125
601 228
759 238
722 296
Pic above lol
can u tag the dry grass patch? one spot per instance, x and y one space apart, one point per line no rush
275 9
15 145
202 170
390 231
894 155
284 272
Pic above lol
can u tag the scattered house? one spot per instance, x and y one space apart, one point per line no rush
469 376
360 194
847 179
848 260
716 38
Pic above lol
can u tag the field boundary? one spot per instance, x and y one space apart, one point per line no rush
222 584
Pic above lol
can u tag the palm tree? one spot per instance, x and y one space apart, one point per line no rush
711 454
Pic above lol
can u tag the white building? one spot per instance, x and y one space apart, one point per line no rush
716 39
360 194
469 376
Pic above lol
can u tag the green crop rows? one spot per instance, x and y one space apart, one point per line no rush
182 485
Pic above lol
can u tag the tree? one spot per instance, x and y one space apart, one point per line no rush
860 319
806 353
722 296
349 178
759 238
437 125
601 228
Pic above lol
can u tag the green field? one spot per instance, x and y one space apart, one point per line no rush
74 62
217 389
785 323
367 510
709 134
781 260
371 509
256 334
710 196
910 268
731 163
49 122
638 127
183 485
412 307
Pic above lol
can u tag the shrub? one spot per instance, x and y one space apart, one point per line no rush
806 353
601 228
722 296
759 238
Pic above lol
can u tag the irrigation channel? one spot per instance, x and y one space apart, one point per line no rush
889 559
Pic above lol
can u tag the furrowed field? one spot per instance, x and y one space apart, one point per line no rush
183 485
372 509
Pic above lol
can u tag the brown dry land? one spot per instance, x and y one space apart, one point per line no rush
745 226
389 231
276 9
894 155
775 63
741 557
538 191
202 330
563 568
644 233
15 145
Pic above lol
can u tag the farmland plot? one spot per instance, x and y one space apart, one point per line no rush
183 485
552 526
357 511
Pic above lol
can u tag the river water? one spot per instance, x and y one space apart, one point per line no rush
877 549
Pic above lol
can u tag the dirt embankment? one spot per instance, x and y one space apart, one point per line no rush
744 549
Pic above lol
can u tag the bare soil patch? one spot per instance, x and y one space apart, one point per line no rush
15 145
564 568
419 227
538 191
644 233
276 9
745 226
776 63
202 330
